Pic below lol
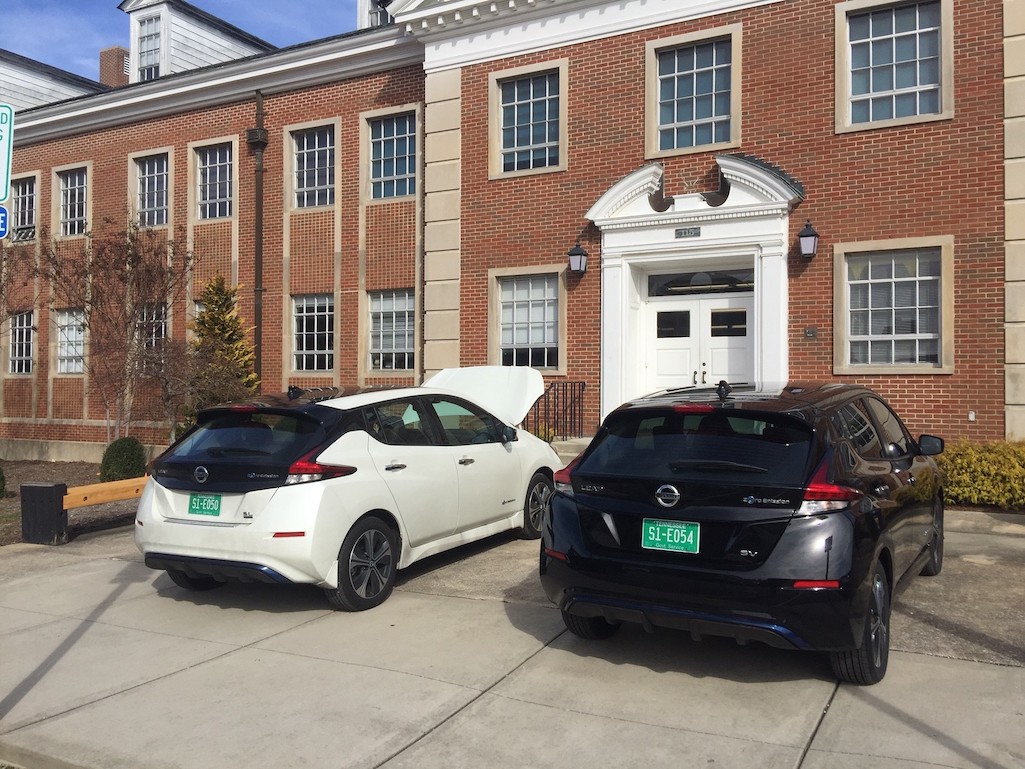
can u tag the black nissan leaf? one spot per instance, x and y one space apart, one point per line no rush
785 517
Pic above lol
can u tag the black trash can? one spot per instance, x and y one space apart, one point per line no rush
44 521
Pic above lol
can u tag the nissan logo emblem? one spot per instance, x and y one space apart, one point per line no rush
201 474
667 495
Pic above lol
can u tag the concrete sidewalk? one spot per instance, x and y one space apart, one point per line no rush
106 664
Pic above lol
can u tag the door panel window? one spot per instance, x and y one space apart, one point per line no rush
729 323
463 425
853 423
896 441
673 325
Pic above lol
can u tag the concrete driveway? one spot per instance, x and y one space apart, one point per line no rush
106 664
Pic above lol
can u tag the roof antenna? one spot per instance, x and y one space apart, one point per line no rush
723 390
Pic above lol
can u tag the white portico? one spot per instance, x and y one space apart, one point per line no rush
695 292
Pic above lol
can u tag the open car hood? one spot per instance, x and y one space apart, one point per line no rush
508 392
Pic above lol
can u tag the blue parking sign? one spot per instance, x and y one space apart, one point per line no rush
3 222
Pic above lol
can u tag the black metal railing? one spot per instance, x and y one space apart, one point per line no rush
559 413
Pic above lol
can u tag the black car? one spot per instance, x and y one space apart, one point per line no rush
786 517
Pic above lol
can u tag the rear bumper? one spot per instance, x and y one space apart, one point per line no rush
221 570
767 611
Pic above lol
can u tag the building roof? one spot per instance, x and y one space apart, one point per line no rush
206 18
53 73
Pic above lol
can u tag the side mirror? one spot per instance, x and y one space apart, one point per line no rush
509 434
930 445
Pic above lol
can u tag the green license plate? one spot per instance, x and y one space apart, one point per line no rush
674 536
204 504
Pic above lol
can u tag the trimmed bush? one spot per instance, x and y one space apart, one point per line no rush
124 458
987 474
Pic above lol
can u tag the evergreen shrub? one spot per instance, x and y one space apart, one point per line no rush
987 474
124 458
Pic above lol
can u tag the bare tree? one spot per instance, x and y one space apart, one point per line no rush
122 281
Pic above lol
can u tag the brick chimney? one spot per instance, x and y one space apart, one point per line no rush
114 66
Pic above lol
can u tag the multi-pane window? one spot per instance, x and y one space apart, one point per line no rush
895 62
70 341
393 156
74 189
152 174
23 215
894 302
22 337
530 122
530 321
151 325
149 49
214 178
313 332
314 167
695 94
391 330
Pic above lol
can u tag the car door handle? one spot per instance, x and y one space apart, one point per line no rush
881 490
395 466
466 461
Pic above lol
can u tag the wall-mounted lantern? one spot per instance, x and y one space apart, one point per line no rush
577 258
809 240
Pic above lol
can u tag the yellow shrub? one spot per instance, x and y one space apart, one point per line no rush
990 474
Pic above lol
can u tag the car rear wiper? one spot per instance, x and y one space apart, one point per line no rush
224 451
715 465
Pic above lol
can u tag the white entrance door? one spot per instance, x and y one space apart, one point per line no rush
699 341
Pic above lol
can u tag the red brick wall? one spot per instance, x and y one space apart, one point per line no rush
928 179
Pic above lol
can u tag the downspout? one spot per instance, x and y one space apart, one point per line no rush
257 139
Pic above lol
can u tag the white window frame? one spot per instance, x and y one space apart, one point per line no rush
149 55
153 185
313 350
733 33
398 180
497 279
215 181
24 200
842 252
321 190
559 68
392 329
843 65
70 341
73 203
22 344
151 325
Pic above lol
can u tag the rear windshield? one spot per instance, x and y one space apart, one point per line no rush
714 447
281 437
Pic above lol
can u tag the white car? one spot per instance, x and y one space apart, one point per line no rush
342 489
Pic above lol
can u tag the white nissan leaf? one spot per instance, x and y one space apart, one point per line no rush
341 489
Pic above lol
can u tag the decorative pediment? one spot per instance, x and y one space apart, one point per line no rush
746 183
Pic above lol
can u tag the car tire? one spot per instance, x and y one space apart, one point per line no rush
591 628
539 491
935 563
183 580
867 665
367 562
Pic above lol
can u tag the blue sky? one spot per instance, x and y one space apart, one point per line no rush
70 33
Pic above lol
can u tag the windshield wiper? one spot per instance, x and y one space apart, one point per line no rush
715 465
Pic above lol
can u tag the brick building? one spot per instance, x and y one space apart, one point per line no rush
403 198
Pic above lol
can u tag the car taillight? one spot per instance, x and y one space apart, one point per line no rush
821 496
305 469
680 408
563 483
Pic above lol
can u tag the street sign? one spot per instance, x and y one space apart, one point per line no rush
3 222
6 149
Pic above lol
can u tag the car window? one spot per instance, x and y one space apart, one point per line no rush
398 423
464 424
852 423
896 441
242 434
751 448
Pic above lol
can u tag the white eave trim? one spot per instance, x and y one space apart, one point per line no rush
306 65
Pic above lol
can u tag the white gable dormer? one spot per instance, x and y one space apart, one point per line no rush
374 13
170 36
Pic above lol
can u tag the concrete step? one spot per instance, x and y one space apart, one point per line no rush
568 449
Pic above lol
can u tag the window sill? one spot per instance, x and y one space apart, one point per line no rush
894 369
